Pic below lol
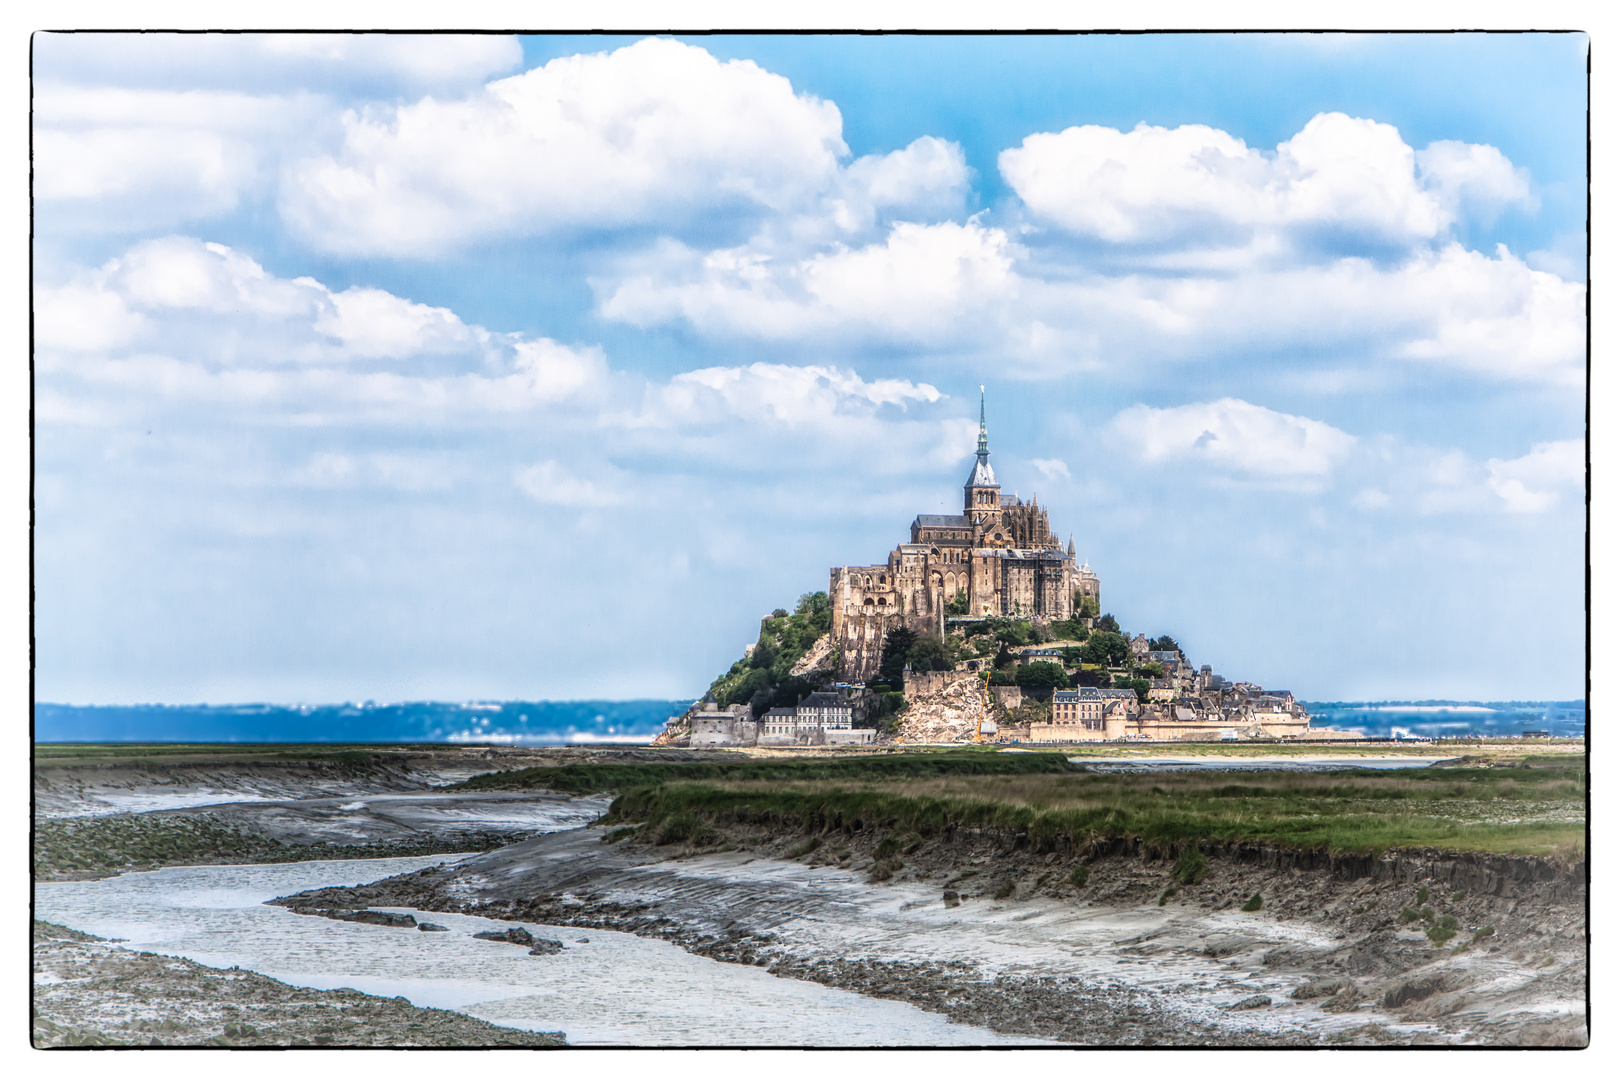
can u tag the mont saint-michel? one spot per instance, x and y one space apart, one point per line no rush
521 557
981 626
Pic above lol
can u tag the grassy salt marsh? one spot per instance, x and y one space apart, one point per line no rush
1531 805
611 776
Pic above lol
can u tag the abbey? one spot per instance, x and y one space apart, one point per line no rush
999 557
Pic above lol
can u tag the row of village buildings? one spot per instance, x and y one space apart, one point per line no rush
1186 704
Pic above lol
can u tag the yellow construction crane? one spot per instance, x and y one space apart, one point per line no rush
984 707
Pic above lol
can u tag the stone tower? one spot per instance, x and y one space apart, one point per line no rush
981 495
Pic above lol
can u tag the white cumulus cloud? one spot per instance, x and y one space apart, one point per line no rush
1534 483
922 282
552 484
652 130
1202 186
1234 435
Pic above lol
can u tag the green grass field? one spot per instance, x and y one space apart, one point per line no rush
610 776
1537 807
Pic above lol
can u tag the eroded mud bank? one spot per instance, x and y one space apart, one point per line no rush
83 997
974 927
387 825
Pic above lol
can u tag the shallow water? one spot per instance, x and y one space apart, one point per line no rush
614 989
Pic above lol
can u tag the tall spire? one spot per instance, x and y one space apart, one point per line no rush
984 437
977 501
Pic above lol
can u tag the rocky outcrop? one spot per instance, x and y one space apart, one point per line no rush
375 918
820 657
943 706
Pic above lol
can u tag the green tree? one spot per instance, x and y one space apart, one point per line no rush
931 653
1085 607
743 692
1139 685
959 605
1105 648
1166 643
1107 623
1042 674
1070 630
789 692
897 645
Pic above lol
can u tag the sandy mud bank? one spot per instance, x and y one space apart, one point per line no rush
89 992
1410 948
389 824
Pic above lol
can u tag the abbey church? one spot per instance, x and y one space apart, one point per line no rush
999 557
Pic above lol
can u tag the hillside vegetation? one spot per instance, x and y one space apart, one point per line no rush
763 678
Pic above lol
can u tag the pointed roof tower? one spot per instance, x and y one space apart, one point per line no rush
982 475
1071 545
981 495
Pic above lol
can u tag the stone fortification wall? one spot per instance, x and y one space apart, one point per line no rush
942 706
1008 697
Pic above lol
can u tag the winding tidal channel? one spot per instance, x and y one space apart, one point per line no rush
604 988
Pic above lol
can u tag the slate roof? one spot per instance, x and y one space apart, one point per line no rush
981 476
944 521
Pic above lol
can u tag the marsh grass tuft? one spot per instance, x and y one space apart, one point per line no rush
1005 889
1254 903
1165 896
804 847
1079 876
685 828
1191 867
1423 895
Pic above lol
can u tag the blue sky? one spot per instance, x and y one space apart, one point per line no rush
404 368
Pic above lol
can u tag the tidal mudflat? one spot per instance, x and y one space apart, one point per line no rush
598 988
946 900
